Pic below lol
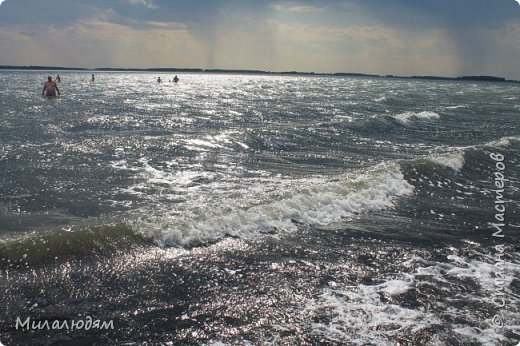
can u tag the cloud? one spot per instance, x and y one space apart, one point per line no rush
145 3
297 8
497 53
97 43
117 33
378 36
467 28
456 15
370 49
167 25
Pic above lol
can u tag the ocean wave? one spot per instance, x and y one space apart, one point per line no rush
454 161
310 201
409 116
503 142
42 247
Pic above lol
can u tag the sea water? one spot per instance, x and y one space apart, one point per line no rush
259 209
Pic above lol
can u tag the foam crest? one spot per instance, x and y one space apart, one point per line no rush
454 161
409 116
269 205
455 107
503 142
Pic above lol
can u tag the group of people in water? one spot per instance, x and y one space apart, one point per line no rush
175 79
50 87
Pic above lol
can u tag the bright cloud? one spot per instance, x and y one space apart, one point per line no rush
145 3
298 8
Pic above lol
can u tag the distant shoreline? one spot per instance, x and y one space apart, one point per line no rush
258 72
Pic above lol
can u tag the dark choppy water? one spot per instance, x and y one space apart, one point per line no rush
242 209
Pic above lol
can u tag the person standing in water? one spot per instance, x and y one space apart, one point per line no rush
175 79
92 78
159 80
50 88
58 79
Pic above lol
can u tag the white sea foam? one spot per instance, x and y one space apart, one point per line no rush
503 142
197 143
455 107
214 209
358 315
454 161
395 287
409 116
486 336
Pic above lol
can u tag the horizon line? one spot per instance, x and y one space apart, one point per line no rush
250 71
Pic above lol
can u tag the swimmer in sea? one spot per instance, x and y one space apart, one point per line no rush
50 88
175 79
159 80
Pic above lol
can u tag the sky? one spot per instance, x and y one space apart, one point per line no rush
399 37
